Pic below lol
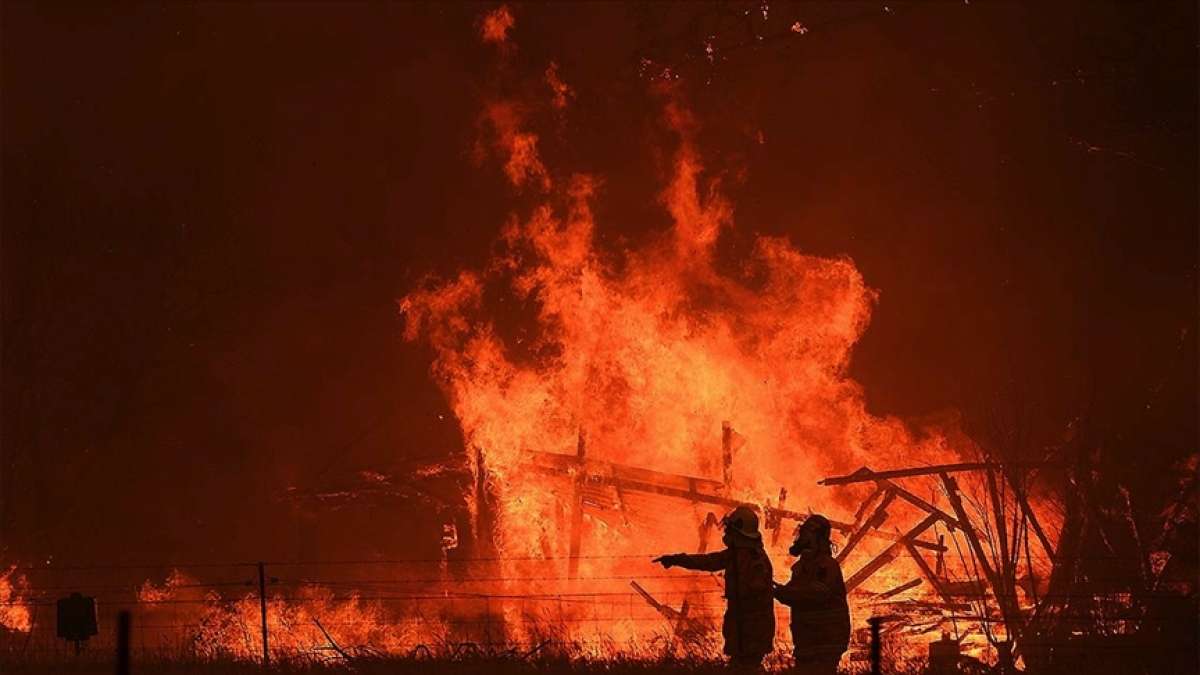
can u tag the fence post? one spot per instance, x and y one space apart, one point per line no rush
124 619
262 606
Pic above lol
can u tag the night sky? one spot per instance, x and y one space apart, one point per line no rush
210 210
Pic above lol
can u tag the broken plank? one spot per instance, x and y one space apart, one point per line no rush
889 553
865 475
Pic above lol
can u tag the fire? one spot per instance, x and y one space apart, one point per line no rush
638 356
524 165
151 592
610 367
14 612
312 620
496 24
647 351
561 91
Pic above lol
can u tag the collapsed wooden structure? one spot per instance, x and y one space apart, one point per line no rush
1004 524
597 484
604 485
1001 576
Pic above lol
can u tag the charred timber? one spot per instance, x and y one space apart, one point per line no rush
698 490
891 552
865 475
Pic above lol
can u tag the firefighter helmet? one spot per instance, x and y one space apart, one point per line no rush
817 524
744 521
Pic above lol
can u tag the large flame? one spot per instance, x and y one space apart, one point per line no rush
646 352
640 355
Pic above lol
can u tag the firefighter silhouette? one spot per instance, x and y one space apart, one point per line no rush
749 624
816 595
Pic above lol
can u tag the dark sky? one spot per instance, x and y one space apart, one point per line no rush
209 211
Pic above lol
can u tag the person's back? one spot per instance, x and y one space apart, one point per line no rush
749 623
816 595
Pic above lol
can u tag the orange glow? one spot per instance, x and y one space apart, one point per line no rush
560 91
150 592
570 365
230 627
14 613
522 165
635 358
643 353
496 24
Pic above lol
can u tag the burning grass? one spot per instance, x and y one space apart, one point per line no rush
498 664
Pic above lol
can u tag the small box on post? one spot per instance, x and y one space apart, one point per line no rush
77 619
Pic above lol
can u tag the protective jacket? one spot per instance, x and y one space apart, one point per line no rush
820 616
749 624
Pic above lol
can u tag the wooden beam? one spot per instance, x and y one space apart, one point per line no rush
682 624
555 463
899 589
928 573
1027 509
865 475
1005 569
889 553
1007 602
727 455
967 529
704 498
621 506
872 522
868 504
706 527
777 523
577 507
919 503
690 488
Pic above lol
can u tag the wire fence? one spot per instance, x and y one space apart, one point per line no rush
393 606
403 606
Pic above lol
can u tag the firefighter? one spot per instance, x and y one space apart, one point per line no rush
816 595
749 624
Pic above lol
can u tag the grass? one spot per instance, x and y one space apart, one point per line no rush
380 666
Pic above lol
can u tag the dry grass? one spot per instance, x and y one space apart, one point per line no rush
380 666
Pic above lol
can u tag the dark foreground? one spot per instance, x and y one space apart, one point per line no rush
380 667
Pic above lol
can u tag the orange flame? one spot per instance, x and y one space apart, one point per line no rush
644 353
647 359
523 165
636 356
151 592
311 621
560 91
496 24
14 611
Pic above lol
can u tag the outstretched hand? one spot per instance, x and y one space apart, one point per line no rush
668 561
